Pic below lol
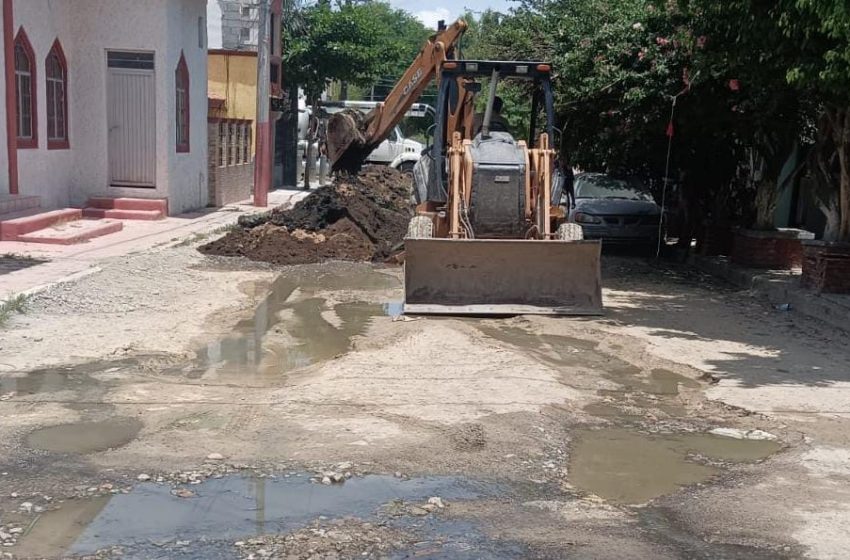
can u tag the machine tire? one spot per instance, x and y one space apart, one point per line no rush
569 232
420 227
406 167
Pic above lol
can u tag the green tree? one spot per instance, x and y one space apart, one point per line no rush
350 43
820 30
620 64
347 44
744 47
795 58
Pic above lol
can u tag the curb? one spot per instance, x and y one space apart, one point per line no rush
69 278
780 290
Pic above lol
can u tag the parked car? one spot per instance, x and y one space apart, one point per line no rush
614 210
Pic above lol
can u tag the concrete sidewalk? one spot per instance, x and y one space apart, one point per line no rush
781 287
66 262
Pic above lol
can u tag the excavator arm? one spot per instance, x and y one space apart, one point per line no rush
352 137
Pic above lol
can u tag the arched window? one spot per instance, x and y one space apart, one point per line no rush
181 81
56 77
25 102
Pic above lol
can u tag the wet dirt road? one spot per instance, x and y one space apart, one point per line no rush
314 422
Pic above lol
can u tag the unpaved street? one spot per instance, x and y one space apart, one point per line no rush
174 405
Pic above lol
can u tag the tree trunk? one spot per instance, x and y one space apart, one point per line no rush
689 215
833 219
823 166
766 199
841 135
312 129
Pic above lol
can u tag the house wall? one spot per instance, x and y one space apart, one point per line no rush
4 158
98 26
41 171
233 77
188 172
229 183
87 29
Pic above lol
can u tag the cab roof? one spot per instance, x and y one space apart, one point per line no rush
527 70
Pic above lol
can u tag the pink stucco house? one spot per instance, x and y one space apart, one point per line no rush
103 99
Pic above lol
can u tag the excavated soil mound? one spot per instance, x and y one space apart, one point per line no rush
358 218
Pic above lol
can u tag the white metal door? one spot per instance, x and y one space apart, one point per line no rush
131 110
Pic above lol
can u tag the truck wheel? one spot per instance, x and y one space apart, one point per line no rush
569 232
406 167
420 227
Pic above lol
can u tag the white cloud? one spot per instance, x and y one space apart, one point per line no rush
213 24
431 17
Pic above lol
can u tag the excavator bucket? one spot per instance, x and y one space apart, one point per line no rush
502 277
347 146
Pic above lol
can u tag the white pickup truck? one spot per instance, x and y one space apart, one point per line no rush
398 152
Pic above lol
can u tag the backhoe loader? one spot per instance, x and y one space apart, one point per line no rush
486 238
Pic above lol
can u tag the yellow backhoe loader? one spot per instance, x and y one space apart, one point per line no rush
487 238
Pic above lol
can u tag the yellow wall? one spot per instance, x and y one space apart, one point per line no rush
233 77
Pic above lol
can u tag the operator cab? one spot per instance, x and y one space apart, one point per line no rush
491 134
498 123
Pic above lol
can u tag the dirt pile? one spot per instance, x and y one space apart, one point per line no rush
358 218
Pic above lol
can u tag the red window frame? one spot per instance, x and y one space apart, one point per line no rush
22 42
57 143
182 132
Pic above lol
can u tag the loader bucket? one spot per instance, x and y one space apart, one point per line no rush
502 277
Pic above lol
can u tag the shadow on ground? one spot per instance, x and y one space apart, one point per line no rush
758 344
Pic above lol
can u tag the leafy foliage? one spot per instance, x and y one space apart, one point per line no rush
354 43
621 64
820 31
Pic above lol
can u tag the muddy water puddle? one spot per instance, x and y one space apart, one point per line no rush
563 351
77 378
42 382
626 466
297 325
85 437
149 520
632 468
557 350
634 392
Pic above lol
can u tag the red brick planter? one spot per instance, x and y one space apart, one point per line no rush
826 266
777 249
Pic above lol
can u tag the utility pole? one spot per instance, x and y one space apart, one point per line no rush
263 160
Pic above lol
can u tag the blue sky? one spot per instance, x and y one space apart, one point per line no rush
429 12
434 10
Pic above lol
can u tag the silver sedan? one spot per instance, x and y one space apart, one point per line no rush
614 210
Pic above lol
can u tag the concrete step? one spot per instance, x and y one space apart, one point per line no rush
12 229
70 233
115 214
125 203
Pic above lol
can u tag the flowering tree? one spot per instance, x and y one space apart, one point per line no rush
623 64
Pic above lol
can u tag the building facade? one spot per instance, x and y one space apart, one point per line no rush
104 98
232 125
235 133
240 22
